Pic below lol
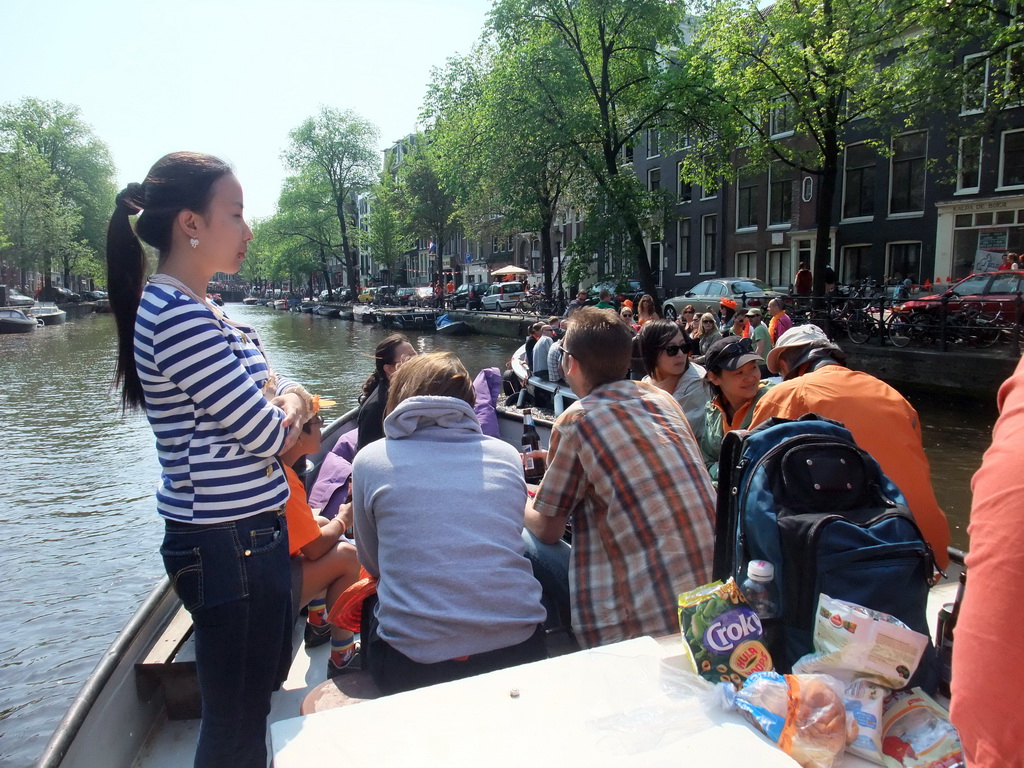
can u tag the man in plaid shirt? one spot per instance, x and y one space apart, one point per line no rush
624 466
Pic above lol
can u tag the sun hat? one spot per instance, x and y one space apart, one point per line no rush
730 353
753 312
797 336
727 302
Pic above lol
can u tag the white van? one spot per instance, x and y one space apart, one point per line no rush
502 296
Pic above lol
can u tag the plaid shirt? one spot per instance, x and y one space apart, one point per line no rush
624 464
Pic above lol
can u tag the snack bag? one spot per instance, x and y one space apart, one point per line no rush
916 733
864 702
721 634
851 641
803 714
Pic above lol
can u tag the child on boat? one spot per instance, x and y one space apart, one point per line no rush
322 559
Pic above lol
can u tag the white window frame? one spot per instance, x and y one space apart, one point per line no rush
985 72
746 256
768 218
683 249
653 141
920 255
842 206
1002 162
1009 83
753 181
781 105
924 181
962 190
785 256
650 175
679 185
704 255
842 268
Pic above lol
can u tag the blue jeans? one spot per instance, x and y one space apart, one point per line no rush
550 567
234 578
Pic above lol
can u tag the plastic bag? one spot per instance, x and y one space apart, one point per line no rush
803 714
851 641
916 733
864 704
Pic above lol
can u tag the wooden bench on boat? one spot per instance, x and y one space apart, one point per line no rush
170 666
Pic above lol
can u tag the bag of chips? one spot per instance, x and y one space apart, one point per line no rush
722 635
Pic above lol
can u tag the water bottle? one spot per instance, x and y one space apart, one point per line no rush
759 589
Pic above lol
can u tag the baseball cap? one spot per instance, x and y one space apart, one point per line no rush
753 312
797 336
730 353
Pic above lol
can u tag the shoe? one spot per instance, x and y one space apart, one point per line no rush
317 634
349 662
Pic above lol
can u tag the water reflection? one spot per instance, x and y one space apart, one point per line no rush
77 481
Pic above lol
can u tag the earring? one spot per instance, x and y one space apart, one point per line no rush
194 242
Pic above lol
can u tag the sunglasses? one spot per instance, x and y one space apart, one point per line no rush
674 349
687 312
707 322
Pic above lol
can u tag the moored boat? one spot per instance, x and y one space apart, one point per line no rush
250 301
15 321
49 313
536 388
449 327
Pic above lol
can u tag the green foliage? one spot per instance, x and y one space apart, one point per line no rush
336 159
388 239
78 161
429 208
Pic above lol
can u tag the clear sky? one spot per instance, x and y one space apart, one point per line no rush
229 77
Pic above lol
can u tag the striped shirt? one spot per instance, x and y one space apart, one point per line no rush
624 464
217 436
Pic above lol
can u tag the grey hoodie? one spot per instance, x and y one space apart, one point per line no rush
438 510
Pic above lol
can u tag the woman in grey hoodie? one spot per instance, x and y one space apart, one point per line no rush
438 509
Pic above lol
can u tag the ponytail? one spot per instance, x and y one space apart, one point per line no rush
126 270
384 354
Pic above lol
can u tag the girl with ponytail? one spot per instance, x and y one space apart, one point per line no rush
220 416
391 352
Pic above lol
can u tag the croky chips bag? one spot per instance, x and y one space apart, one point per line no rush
722 634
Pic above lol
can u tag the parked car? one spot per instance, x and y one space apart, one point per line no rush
94 295
424 297
468 295
404 296
59 295
502 296
16 298
706 296
989 292
630 289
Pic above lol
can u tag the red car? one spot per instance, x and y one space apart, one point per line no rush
988 292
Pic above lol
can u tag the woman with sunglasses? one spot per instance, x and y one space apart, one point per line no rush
665 351
645 311
689 321
734 377
707 334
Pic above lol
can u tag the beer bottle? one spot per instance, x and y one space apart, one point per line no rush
533 467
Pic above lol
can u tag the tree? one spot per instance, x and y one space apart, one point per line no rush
335 150
592 69
79 162
493 154
39 221
388 238
429 207
791 79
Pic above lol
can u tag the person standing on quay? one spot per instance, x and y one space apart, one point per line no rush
221 417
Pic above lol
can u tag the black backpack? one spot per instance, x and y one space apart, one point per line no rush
803 496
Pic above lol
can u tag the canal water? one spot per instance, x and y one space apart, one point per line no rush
77 480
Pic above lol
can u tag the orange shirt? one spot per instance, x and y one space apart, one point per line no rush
988 627
302 528
882 422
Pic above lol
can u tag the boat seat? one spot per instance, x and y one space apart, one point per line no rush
170 667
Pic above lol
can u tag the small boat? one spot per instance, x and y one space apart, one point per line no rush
414 320
364 313
281 304
450 327
561 395
250 301
102 306
48 312
15 321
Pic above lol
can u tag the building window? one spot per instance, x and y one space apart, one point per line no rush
707 193
904 261
656 265
508 243
709 243
746 264
654 179
780 193
1014 77
494 245
968 166
975 83
1011 160
684 190
859 182
746 200
627 154
906 185
780 269
855 265
683 247
653 148
782 119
